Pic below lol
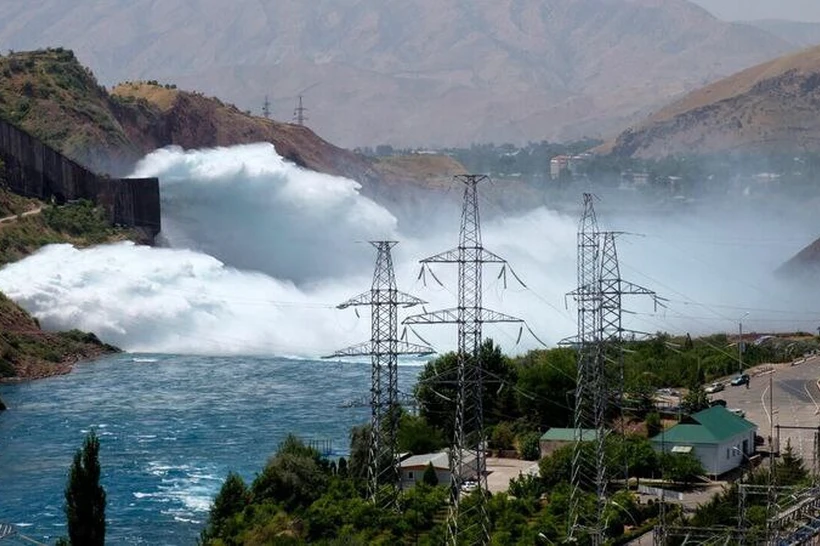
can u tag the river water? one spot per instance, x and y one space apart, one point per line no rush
170 427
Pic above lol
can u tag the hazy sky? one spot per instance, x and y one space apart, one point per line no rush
745 10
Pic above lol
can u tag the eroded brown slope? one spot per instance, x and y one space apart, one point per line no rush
771 107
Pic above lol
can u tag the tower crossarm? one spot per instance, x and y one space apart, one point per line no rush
367 349
367 298
456 255
450 316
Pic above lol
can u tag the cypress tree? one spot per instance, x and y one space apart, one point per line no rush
429 477
85 497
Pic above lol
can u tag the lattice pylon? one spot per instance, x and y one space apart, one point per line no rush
589 388
600 331
383 472
467 456
613 289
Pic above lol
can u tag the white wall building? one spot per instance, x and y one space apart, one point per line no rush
721 440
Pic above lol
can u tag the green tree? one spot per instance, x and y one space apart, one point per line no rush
695 400
653 424
232 498
683 468
429 477
557 466
790 470
546 387
294 477
85 497
529 447
417 436
436 388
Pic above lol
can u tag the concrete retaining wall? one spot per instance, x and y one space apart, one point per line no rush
36 170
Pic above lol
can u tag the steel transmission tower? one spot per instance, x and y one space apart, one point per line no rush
299 117
266 108
467 452
383 348
590 388
599 297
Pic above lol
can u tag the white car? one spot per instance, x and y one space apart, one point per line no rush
713 388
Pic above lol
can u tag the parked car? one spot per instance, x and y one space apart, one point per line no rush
713 388
739 412
742 379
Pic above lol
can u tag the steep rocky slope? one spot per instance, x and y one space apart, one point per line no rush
771 107
416 72
51 95
27 352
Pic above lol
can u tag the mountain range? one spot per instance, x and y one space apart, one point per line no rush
416 72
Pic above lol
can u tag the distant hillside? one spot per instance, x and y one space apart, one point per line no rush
803 265
416 72
796 33
772 107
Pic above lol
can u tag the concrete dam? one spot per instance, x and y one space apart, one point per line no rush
34 169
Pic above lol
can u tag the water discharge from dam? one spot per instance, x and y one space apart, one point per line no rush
258 251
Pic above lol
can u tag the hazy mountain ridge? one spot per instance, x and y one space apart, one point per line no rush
417 72
772 107
795 32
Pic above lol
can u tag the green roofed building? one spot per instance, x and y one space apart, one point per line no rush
559 437
718 437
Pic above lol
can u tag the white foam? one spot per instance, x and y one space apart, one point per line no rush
283 254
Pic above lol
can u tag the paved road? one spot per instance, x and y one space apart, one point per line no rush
795 401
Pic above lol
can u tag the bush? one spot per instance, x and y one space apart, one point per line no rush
529 447
502 436
683 468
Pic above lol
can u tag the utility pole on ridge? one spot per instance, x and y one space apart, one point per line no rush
299 117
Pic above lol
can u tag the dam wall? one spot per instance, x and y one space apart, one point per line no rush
34 169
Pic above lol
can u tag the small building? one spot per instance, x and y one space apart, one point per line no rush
412 468
720 439
558 165
555 438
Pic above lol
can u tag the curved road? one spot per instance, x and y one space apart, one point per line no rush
794 401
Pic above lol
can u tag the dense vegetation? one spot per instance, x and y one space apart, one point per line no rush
301 498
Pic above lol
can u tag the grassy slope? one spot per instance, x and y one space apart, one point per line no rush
51 95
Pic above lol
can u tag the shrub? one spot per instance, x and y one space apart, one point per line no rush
529 446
